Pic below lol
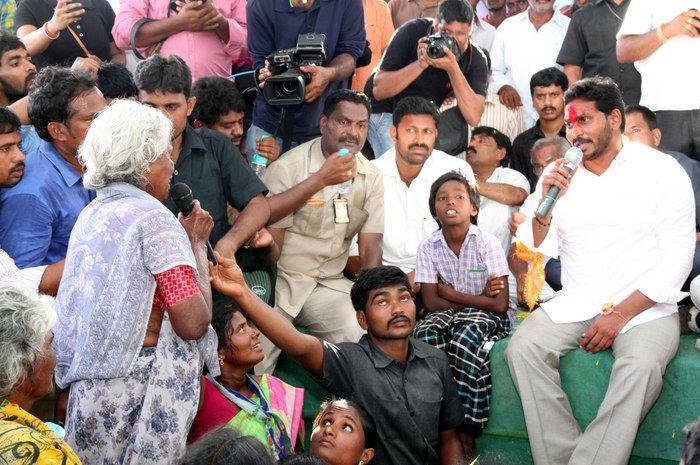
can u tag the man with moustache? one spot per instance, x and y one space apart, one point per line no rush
37 215
624 228
514 7
540 28
408 170
406 70
315 236
497 12
17 72
404 384
501 189
547 88
43 279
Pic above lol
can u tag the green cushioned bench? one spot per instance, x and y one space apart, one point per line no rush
585 378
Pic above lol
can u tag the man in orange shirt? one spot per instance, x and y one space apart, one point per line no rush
378 28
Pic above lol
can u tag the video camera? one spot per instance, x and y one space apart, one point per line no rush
287 85
442 39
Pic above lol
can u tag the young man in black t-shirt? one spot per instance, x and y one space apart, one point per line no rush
407 70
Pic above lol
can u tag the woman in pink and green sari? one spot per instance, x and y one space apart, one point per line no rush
260 406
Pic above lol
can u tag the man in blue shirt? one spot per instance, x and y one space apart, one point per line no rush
275 25
38 214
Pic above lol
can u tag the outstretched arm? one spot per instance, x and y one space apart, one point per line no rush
226 277
450 447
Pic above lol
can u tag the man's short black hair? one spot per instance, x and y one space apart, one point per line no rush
115 81
453 176
8 121
168 74
414 106
600 90
648 115
345 95
548 77
376 278
455 10
9 42
502 141
216 96
54 89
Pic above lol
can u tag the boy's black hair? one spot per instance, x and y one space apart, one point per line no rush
375 278
453 176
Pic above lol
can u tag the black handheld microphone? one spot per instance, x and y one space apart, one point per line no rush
182 196
573 157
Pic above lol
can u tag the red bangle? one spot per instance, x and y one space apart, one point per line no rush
48 34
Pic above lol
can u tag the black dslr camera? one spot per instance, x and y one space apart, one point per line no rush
437 41
287 85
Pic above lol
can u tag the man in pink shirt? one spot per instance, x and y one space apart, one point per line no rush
208 34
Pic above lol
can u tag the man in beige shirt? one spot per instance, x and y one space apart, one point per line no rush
314 240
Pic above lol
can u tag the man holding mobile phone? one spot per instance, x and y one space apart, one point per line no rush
207 34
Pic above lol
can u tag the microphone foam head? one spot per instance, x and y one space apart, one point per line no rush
574 156
182 196
180 191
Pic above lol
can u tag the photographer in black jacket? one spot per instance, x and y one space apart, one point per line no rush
407 69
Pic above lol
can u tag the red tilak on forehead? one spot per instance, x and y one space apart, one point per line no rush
573 115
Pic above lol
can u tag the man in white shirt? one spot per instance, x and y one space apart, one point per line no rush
41 278
409 169
624 229
501 189
525 44
663 41
483 33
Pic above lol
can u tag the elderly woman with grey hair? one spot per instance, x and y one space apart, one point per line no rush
134 305
26 368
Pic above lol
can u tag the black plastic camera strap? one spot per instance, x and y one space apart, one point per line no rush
287 127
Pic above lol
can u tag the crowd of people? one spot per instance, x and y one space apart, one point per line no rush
189 189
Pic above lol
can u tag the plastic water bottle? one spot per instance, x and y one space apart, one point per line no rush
344 188
259 164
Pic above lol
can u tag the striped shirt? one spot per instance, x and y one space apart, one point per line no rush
498 116
27 279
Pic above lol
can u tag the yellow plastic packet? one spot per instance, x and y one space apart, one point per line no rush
534 278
